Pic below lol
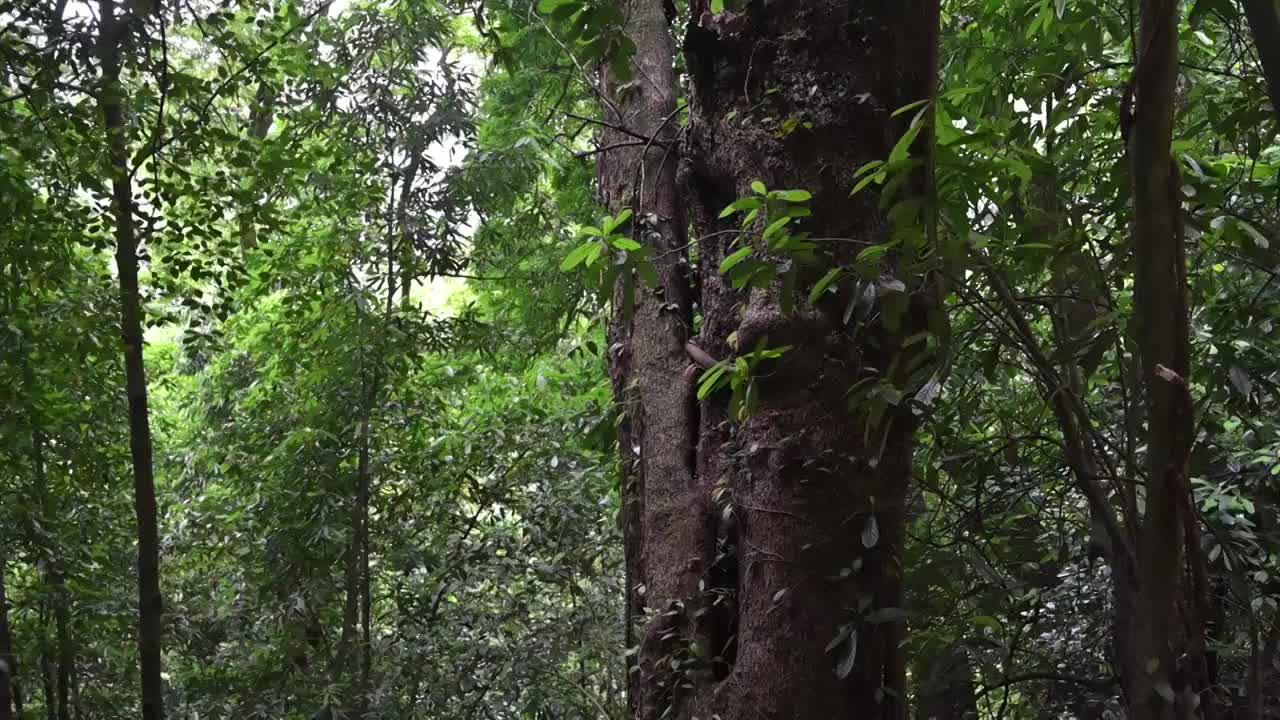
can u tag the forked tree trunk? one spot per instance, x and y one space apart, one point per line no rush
115 124
751 545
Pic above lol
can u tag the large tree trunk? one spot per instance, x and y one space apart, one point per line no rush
737 533
1264 25
111 101
810 477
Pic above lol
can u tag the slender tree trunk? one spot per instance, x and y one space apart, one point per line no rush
947 692
1156 688
362 544
648 364
1264 25
65 664
342 659
47 673
1265 642
407 251
9 696
735 531
115 124
54 575
76 706
261 115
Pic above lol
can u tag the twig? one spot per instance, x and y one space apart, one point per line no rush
612 126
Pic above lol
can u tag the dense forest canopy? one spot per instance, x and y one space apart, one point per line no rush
636 359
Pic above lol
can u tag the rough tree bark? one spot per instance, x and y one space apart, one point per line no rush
647 361
807 474
115 124
736 532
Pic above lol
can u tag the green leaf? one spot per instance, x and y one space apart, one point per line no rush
734 258
1258 238
577 255
821 286
988 622
547 7
871 255
710 380
625 243
776 226
747 203
864 182
613 223
868 168
902 150
909 107
795 196
759 187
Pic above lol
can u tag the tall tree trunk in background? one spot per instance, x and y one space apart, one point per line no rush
53 571
47 673
49 552
363 482
111 101
1264 25
342 658
647 360
947 691
53 565
402 228
261 114
66 654
734 532
10 697
1156 686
